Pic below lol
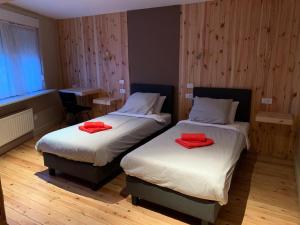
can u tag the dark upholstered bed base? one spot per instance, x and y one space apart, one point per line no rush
205 210
97 176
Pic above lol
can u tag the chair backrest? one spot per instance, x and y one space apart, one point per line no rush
68 99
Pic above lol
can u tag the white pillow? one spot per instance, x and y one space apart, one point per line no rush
210 110
232 112
158 105
139 103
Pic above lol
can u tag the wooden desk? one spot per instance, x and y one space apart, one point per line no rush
106 100
279 119
2 212
276 118
81 91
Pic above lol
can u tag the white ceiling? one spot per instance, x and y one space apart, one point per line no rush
61 9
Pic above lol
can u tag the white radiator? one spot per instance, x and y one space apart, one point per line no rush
15 126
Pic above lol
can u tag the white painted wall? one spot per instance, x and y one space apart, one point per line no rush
76 8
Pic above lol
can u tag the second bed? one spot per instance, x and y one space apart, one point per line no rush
193 181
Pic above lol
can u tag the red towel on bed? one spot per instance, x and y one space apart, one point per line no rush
93 124
96 129
194 144
193 137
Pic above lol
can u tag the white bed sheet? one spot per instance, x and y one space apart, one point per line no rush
203 173
102 147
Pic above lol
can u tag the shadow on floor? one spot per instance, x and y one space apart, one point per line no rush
80 187
234 211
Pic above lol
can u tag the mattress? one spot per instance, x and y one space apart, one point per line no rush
102 147
204 173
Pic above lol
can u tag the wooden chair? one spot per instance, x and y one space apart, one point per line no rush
2 212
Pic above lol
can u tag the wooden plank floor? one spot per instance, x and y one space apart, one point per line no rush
263 192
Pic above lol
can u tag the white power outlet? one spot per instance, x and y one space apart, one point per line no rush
267 101
190 85
189 96
122 91
121 81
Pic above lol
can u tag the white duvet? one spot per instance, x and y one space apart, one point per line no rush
102 147
203 173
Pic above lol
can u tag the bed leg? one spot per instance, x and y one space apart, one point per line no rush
94 186
51 172
134 200
203 222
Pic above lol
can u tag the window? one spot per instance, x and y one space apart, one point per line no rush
20 64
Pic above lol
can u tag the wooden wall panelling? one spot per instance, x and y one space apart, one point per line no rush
246 44
94 52
63 36
113 50
90 51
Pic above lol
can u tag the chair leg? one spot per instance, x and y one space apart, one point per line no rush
88 115
71 119
83 116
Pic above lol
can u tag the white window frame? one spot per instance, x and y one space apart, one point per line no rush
18 18
27 21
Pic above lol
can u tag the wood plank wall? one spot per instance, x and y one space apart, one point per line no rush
94 52
252 44
223 43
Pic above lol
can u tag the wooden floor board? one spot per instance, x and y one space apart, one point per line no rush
263 192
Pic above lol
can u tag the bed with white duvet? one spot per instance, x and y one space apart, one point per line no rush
102 147
194 178
204 173
95 157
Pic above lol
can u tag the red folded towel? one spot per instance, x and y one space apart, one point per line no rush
93 124
194 144
96 129
193 137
